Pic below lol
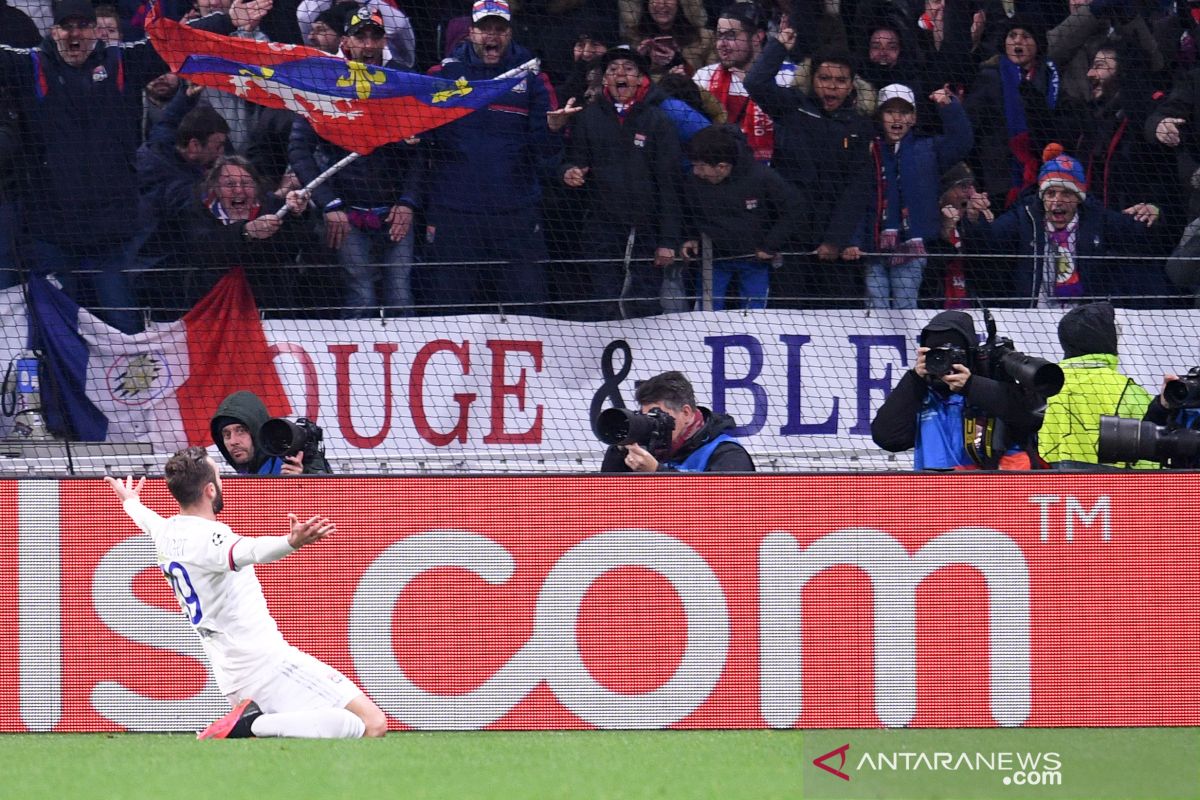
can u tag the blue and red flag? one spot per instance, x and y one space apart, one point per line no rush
356 106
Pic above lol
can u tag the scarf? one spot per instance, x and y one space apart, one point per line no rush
1060 252
217 210
1026 161
623 108
755 124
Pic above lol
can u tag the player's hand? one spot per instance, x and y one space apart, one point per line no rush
126 490
293 464
638 459
312 530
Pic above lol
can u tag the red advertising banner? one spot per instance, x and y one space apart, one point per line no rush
641 601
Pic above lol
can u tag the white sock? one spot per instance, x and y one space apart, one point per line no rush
325 723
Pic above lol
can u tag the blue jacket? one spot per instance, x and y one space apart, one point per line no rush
1102 232
493 159
912 176
83 127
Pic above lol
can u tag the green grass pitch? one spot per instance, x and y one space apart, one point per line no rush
1153 763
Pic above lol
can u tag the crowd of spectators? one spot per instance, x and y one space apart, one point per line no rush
863 152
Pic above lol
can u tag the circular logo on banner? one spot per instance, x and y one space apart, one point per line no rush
139 378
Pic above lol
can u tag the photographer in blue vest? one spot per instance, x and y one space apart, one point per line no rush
951 416
679 435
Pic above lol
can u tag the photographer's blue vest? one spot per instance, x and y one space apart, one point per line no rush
939 442
698 460
1187 418
941 439
272 466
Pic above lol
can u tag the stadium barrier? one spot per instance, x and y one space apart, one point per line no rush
539 602
493 393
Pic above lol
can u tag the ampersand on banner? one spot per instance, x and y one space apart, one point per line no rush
611 388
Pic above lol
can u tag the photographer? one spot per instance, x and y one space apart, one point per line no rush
236 433
684 436
953 418
1177 408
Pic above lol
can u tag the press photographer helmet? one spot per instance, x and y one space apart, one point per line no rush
619 426
280 437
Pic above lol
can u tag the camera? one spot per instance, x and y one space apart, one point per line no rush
940 360
1126 440
618 426
1183 392
280 437
1001 360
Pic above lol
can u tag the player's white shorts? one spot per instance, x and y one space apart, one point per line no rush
299 682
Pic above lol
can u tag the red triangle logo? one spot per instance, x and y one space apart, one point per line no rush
841 754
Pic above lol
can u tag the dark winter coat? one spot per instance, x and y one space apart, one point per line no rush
822 155
248 409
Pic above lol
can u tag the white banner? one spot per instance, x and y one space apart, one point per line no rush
485 392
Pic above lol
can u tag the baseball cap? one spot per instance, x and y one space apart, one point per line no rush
364 17
73 9
896 91
491 8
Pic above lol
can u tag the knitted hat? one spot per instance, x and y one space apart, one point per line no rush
1060 169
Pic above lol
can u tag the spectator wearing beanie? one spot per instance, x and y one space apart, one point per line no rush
1060 238
1093 386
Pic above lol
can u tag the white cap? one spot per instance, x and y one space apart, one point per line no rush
896 91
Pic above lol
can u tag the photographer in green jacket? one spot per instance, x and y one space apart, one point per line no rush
1094 387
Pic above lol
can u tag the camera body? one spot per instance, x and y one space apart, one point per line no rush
1183 392
1000 360
940 360
281 437
621 427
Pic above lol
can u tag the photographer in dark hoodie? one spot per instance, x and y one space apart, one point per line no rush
235 431
699 438
960 420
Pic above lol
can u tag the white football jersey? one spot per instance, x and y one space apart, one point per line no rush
224 604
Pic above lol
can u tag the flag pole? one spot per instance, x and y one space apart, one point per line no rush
532 65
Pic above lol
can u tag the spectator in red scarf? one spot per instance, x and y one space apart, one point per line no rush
741 31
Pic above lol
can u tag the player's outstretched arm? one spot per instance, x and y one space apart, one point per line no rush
265 549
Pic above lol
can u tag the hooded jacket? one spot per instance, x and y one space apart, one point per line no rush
728 455
248 409
1001 415
1093 387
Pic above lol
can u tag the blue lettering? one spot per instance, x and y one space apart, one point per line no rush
866 383
721 383
795 387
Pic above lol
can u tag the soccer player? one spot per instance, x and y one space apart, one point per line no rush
274 688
